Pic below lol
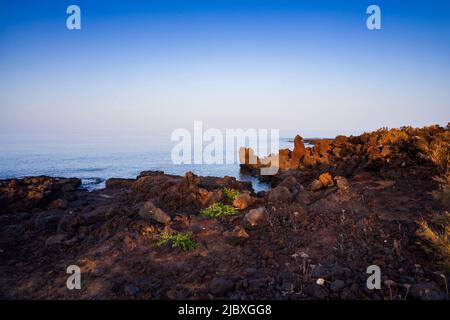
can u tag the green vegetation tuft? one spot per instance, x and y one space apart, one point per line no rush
182 240
230 193
218 209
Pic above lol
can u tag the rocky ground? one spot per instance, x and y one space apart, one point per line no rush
333 210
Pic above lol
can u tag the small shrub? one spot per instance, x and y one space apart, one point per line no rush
440 241
182 240
439 154
393 136
218 209
230 194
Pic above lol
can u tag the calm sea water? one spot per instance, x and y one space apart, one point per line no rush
95 158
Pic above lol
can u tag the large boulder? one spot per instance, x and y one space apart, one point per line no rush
150 212
172 193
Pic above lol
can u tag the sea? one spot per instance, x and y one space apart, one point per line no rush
96 157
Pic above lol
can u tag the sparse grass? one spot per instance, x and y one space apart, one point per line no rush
442 219
439 154
440 241
230 193
443 193
182 240
218 209
393 136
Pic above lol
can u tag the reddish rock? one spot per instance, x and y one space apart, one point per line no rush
207 197
58 204
244 200
326 179
298 152
341 139
386 151
362 177
191 179
256 217
342 183
237 232
316 185
284 159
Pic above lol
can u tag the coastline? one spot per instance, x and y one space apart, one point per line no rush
332 211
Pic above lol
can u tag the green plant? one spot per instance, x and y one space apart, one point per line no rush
218 209
230 193
180 239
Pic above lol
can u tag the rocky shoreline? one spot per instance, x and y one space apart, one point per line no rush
334 209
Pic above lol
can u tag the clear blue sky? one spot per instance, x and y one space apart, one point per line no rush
159 65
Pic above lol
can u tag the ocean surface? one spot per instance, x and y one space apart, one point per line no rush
95 158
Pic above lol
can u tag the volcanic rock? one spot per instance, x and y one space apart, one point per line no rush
150 212
279 194
244 200
256 217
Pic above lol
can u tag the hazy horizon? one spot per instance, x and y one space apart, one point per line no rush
301 66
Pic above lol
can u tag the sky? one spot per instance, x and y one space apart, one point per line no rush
139 66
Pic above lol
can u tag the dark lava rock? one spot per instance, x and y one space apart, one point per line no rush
70 223
327 270
118 183
220 286
279 194
337 285
427 291
131 290
316 291
150 212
